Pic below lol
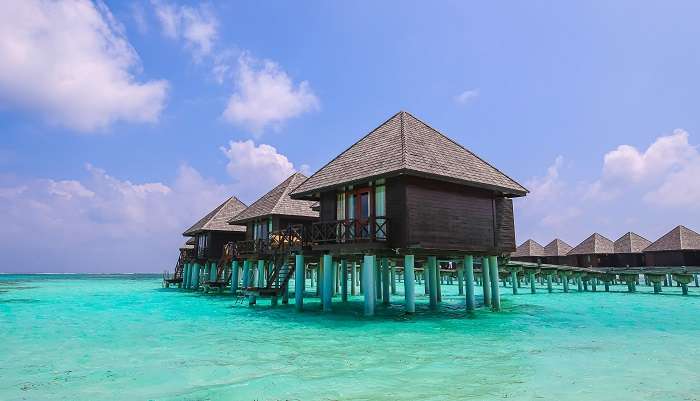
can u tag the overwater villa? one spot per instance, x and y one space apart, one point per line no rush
678 247
211 233
277 227
528 251
407 193
594 251
629 250
555 253
186 254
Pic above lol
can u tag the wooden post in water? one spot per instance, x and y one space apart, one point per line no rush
485 282
409 286
368 276
460 280
514 280
549 282
531 275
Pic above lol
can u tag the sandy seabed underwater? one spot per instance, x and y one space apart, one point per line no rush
123 337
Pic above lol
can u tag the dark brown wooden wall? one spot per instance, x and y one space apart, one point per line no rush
328 206
396 212
673 258
628 259
505 225
217 240
448 216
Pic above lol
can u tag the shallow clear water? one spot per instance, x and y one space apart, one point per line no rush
125 338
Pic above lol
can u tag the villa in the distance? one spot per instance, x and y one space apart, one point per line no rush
678 247
555 253
529 251
407 191
594 251
629 250
211 233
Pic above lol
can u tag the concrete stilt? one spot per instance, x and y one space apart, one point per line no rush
409 286
185 275
565 283
327 296
432 273
195 277
353 288
336 279
368 276
426 278
579 283
697 282
392 270
261 273
438 282
495 295
386 285
469 282
344 280
299 282
486 280
549 283
513 279
246 274
378 280
213 272
234 277
531 276
460 281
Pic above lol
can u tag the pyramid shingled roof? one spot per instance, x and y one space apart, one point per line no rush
631 243
278 202
678 239
528 248
595 244
217 219
557 248
405 145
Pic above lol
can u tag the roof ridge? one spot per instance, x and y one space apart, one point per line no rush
467 150
403 140
347 149
285 191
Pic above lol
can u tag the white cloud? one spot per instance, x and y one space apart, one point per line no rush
266 96
466 96
102 223
256 169
649 191
71 61
626 163
197 27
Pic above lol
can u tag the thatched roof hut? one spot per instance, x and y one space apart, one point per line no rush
528 251
212 231
678 247
628 250
593 251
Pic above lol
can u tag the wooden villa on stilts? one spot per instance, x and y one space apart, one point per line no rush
186 255
678 247
528 251
629 250
278 233
594 251
555 253
211 233
406 194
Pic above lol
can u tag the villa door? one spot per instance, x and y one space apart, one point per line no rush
363 212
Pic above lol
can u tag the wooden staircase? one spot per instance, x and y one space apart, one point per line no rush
277 280
177 274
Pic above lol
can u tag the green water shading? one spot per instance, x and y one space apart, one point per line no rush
82 337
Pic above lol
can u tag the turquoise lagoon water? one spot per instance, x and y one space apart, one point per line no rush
123 337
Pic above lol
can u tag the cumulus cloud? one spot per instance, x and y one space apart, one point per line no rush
71 61
256 169
266 96
196 27
466 96
649 190
102 223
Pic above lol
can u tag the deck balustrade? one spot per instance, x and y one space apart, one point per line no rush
372 229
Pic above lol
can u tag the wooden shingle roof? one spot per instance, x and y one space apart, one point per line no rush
678 239
405 145
278 202
217 219
631 243
557 248
528 248
595 244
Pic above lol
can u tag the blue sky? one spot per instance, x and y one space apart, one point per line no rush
123 122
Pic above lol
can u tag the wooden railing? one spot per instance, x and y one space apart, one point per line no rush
372 229
292 237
